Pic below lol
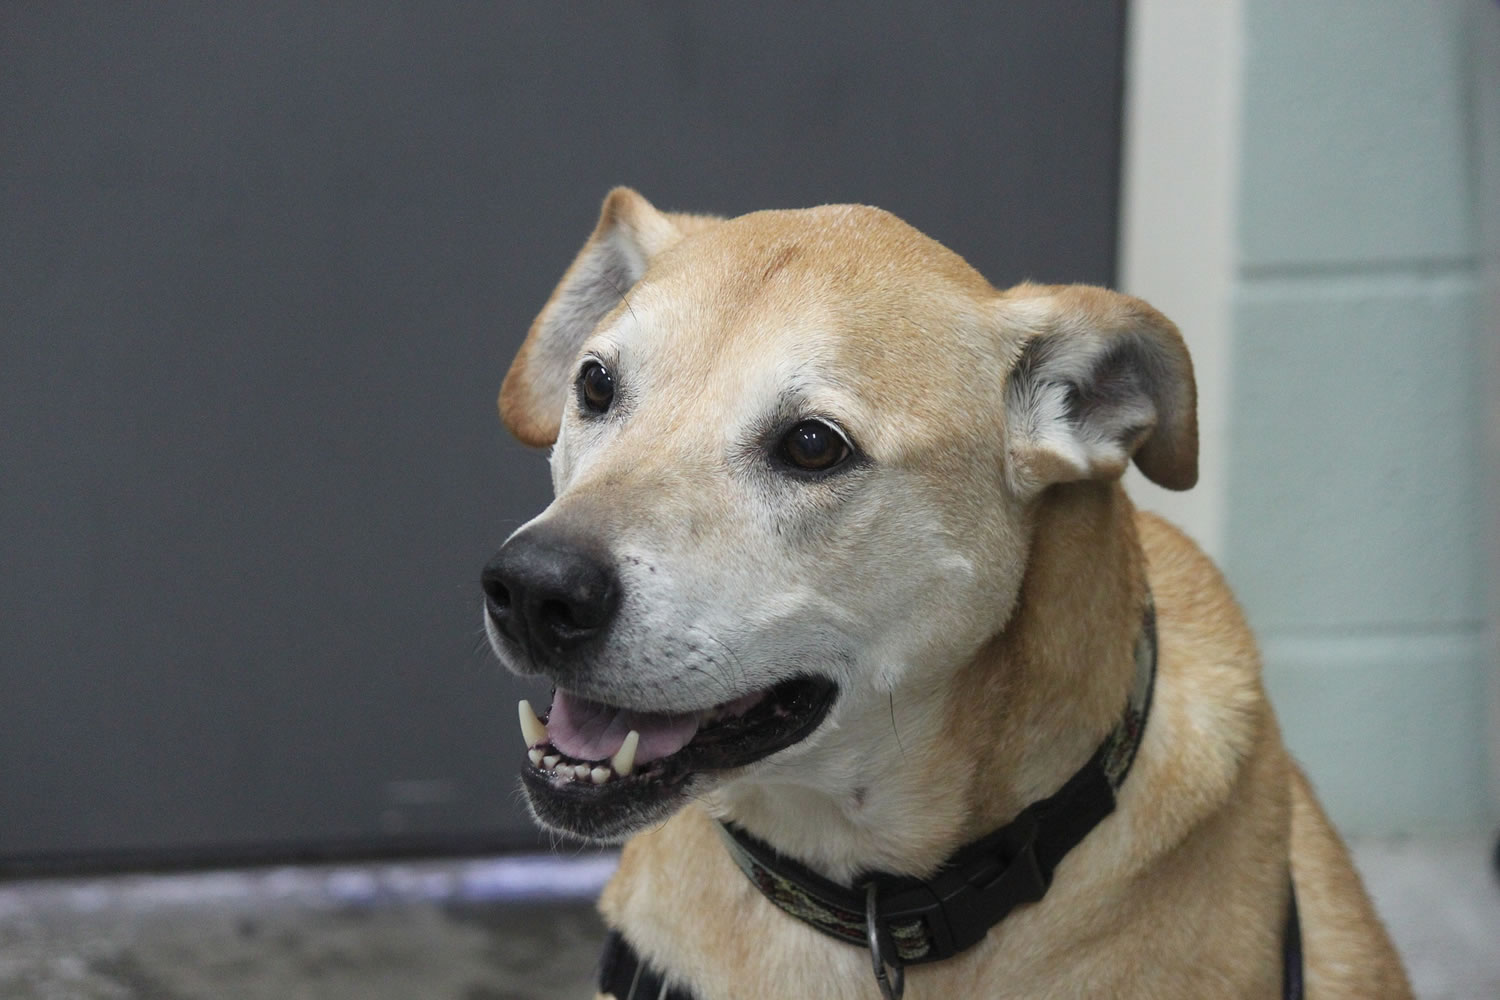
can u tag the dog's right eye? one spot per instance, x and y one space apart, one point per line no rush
596 387
813 446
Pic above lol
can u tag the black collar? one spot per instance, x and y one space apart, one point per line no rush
909 921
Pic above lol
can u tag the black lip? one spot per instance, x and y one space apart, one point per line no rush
792 711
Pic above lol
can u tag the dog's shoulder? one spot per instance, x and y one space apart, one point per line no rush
1200 624
1210 712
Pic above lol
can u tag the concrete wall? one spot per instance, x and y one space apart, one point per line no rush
1342 391
1484 73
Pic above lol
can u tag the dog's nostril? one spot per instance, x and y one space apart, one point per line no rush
497 592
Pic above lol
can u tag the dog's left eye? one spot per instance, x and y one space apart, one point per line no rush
813 446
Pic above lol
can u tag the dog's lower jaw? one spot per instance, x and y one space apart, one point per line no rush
581 819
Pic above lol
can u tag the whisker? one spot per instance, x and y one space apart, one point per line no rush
621 293
734 658
892 697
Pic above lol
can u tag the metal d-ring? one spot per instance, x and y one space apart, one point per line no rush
893 983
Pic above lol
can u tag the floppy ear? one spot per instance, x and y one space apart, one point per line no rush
630 232
1101 378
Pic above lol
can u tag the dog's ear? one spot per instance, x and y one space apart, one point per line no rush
1100 378
630 232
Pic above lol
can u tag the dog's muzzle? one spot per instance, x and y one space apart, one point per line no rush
550 595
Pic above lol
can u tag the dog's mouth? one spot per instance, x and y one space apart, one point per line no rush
596 770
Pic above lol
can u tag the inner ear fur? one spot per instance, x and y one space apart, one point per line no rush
1101 378
631 231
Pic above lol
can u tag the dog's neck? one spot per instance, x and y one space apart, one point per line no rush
908 779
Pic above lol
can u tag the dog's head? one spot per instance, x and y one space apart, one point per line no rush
794 456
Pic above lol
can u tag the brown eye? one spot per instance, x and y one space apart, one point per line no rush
596 387
814 446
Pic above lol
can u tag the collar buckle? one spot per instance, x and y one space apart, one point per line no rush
963 901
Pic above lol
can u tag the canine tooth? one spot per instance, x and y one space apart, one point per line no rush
535 755
550 761
531 727
624 759
581 771
600 775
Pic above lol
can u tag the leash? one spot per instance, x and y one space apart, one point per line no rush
1291 947
906 921
625 976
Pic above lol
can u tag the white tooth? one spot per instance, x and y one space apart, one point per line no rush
624 759
535 755
550 761
600 775
581 771
531 727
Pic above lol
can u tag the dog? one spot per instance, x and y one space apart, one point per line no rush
840 579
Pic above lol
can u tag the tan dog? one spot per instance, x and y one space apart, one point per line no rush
840 554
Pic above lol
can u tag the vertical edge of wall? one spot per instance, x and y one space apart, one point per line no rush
1179 194
1183 246
1484 84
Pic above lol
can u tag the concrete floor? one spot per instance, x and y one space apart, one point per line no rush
488 929
518 929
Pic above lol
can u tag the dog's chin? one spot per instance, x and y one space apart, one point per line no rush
566 800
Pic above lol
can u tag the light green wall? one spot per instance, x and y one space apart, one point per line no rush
1353 510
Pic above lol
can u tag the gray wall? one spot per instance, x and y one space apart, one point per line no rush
262 267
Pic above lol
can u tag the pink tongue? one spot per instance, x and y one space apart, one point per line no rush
588 730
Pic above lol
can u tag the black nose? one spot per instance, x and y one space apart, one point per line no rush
549 593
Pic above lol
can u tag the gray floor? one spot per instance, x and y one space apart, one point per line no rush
492 929
518 928
1441 901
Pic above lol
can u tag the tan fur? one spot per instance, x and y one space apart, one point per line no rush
995 699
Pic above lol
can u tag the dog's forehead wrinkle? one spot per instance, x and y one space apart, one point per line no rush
848 255
686 366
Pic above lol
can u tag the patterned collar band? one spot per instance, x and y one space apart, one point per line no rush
908 921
